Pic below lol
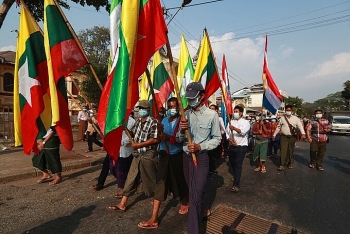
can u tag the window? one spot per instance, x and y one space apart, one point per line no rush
249 100
8 82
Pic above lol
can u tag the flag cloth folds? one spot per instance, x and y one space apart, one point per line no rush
30 85
226 94
141 31
206 70
272 97
185 71
162 84
144 87
63 57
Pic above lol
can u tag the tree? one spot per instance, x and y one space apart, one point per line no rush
96 43
346 92
297 104
36 7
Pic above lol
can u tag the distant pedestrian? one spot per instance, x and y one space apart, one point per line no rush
48 160
91 133
316 132
286 126
261 132
83 124
238 146
274 144
145 162
204 128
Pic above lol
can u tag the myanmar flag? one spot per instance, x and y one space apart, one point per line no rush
30 85
144 87
206 70
141 30
63 57
162 84
185 71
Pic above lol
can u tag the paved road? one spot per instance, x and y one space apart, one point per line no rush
310 200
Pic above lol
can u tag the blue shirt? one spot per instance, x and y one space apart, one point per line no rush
169 129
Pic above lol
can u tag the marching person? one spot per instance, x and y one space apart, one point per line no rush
83 123
92 133
238 146
145 162
288 136
49 157
170 175
261 130
316 131
203 126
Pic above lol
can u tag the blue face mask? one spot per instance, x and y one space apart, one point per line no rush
193 102
235 115
143 113
172 112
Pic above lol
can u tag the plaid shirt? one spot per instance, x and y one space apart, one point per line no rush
317 129
143 131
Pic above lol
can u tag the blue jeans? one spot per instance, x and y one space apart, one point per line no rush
236 157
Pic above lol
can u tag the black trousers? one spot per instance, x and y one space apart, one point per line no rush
104 172
92 139
236 157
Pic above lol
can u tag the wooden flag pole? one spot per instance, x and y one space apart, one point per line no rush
223 98
79 44
154 101
178 95
81 93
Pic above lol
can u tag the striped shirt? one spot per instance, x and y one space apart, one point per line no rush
317 129
144 131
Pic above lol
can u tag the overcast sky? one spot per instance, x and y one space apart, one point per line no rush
308 48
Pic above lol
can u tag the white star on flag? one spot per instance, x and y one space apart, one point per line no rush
26 82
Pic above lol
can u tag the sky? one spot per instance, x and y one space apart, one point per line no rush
308 41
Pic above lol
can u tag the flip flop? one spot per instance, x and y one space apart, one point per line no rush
54 182
115 208
146 225
263 170
119 196
42 180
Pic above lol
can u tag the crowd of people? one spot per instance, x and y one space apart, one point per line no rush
177 154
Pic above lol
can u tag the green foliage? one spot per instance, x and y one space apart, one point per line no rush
346 92
297 104
96 44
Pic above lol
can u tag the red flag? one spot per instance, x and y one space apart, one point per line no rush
226 87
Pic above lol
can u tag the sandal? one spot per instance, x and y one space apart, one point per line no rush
312 165
87 151
235 189
55 181
280 168
96 187
42 180
147 225
119 196
290 167
263 170
320 169
207 216
116 208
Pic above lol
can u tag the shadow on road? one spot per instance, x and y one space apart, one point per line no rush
66 224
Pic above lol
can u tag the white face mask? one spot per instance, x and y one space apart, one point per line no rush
236 115
318 116
273 120
288 113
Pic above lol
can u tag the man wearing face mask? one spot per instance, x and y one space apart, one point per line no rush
170 175
145 162
316 131
287 140
203 126
237 150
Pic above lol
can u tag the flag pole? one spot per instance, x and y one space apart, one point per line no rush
154 102
177 91
81 93
224 98
79 44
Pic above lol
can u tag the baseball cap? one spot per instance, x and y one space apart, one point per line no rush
193 89
144 104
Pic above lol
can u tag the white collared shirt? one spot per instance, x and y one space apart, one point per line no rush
240 138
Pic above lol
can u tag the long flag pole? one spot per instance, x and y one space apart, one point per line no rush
216 67
178 95
79 44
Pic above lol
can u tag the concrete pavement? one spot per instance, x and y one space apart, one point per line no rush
15 165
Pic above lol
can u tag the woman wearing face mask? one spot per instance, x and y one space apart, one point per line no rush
260 130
